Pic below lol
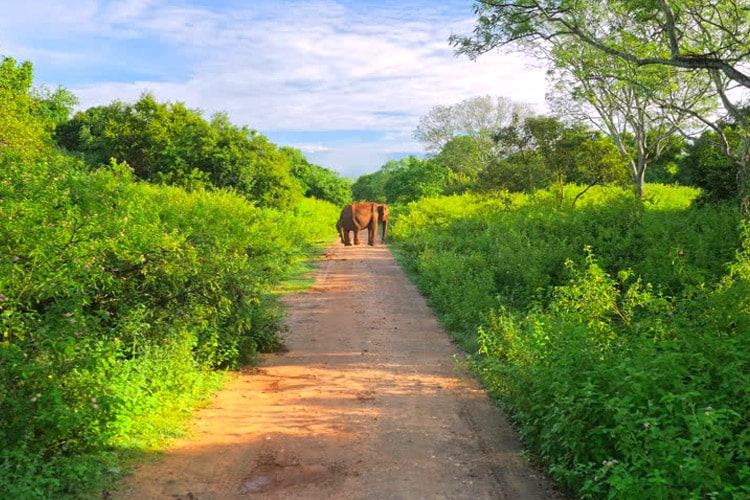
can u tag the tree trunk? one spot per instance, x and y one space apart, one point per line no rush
743 175
640 181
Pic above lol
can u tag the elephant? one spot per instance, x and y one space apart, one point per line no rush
383 216
340 229
358 216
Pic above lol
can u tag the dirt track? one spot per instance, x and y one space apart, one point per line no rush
368 403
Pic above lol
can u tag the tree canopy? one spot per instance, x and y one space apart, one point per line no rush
647 47
28 115
478 117
678 33
171 143
640 109
318 182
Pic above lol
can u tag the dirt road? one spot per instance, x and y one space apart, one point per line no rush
368 403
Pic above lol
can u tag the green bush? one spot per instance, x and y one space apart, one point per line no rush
118 300
615 401
617 338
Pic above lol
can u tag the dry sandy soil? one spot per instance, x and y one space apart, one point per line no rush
367 403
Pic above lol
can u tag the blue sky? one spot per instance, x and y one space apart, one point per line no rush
345 81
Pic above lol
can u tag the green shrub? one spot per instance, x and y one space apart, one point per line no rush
118 300
617 339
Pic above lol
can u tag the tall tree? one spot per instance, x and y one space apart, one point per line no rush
679 33
413 179
479 118
371 187
543 152
640 109
706 166
708 37
462 161
162 142
519 164
318 182
250 163
53 107
588 158
23 133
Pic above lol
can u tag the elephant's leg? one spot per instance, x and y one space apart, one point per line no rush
356 236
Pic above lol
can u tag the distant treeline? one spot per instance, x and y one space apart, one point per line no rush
485 145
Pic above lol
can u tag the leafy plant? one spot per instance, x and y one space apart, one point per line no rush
119 299
615 334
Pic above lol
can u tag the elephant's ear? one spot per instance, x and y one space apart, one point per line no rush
383 211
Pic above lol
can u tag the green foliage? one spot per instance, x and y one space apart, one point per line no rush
613 332
521 173
53 108
461 157
588 158
709 168
666 168
318 182
522 156
615 400
169 143
122 300
371 187
118 299
541 152
24 133
645 68
161 142
402 181
414 179
311 222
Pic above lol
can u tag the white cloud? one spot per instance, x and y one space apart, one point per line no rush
312 148
127 10
322 65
